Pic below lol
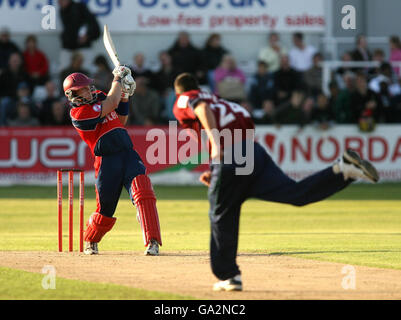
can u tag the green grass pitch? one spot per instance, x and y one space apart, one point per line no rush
359 226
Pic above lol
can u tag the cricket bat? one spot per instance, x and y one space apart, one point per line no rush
109 45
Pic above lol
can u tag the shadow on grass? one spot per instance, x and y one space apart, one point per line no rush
331 251
162 192
388 191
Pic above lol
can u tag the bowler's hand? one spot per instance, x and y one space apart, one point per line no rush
205 178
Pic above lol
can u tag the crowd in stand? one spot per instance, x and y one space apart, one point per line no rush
286 88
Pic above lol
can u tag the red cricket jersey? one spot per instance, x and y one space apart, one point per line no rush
229 115
105 135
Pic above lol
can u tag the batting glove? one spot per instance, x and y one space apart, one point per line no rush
129 85
121 71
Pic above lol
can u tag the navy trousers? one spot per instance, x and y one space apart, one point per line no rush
112 173
228 191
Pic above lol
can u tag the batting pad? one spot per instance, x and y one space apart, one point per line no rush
145 202
98 226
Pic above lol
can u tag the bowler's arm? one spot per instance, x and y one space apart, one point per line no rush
208 121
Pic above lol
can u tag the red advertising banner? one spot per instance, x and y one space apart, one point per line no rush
32 156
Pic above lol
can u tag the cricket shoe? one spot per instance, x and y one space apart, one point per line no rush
152 249
91 248
232 284
353 167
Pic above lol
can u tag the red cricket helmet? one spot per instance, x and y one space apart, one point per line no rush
75 82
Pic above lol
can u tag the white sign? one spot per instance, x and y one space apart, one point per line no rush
176 15
301 153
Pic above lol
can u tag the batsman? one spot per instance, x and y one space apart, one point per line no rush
100 120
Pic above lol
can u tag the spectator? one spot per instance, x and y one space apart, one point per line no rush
396 112
9 81
267 114
45 106
380 57
322 115
24 117
361 52
51 92
364 100
58 115
139 69
385 76
212 55
334 92
185 56
10 105
286 80
164 84
213 52
292 112
271 54
12 76
24 91
301 55
314 76
395 53
7 48
145 105
103 76
308 106
389 92
340 72
230 80
36 64
80 30
343 110
77 60
166 74
261 86
388 102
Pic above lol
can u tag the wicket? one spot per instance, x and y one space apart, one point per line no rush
70 208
